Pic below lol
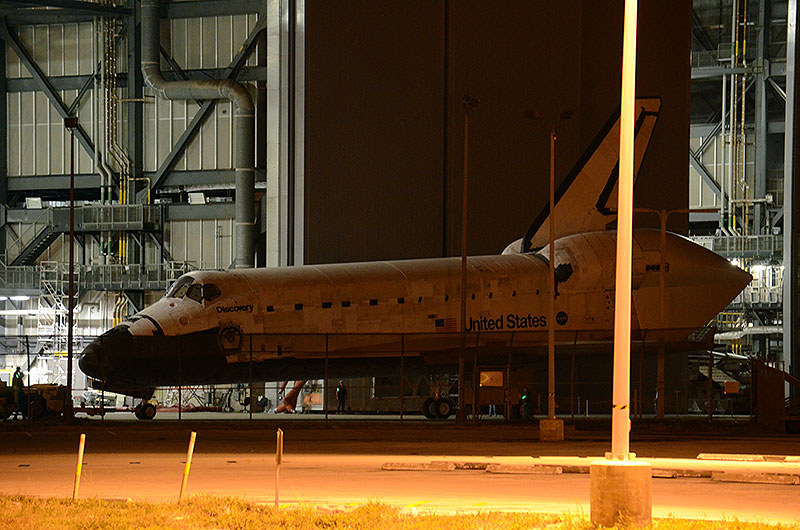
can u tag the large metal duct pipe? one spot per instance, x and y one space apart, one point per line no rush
243 126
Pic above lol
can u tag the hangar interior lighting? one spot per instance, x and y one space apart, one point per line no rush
33 203
197 197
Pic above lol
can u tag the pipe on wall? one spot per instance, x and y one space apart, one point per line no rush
243 126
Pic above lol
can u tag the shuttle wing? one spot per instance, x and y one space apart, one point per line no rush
586 199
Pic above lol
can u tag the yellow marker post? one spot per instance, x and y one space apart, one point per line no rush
77 483
278 461
188 464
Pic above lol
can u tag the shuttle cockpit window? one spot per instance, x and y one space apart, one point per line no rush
179 288
195 292
210 292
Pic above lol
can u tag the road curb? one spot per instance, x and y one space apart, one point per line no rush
738 457
515 469
418 466
756 478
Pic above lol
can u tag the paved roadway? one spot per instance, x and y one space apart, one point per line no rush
339 465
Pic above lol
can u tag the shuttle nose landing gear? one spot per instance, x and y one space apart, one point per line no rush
145 411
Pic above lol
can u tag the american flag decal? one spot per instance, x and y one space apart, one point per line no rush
445 325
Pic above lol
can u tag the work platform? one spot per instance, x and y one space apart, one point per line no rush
111 277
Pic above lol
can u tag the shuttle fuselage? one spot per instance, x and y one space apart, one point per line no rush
287 321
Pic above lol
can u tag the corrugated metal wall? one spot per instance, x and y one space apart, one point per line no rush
715 160
204 243
196 43
39 145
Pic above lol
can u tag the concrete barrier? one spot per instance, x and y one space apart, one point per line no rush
418 466
756 478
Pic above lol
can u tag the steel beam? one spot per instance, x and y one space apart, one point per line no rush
708 72
718 125
204 179
52 183
217 210
707 139
77 6
706 176
44 84
701 34
212 8
18 16
162 249
205 110
777 218
778 90
78 82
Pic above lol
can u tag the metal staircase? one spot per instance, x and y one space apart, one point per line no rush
36 247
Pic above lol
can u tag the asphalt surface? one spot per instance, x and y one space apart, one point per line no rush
338 464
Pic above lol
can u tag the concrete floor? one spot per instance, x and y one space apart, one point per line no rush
339 465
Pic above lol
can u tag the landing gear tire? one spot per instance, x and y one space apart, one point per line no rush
427 408
145 411
443 408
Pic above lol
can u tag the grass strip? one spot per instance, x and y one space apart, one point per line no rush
207 512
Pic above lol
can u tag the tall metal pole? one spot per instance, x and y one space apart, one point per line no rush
250 387
662 353
70 123
620 416
402 372
461 413
551 280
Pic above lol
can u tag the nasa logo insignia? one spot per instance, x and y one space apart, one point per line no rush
561 318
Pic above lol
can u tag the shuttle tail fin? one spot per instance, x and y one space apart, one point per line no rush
586 199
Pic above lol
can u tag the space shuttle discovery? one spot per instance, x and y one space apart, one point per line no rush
289 322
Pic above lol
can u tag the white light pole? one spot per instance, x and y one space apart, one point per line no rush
620 415
619 485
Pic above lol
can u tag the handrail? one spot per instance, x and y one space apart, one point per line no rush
31 230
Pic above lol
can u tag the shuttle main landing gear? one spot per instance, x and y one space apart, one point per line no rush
145 411
439 408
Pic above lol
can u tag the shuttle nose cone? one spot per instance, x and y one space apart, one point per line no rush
698 285
97 359
704 283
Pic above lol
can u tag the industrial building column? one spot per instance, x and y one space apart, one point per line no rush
243 129
3 145
135 101
292 132
791 220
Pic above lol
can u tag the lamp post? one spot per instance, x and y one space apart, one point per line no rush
551 429
620 486
461 413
